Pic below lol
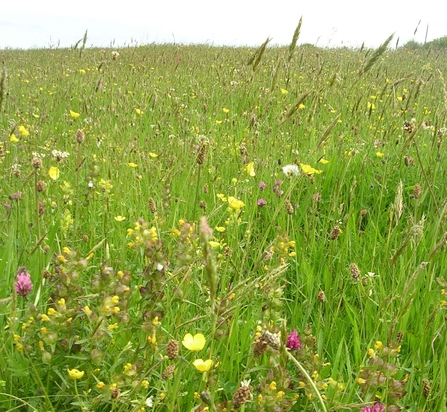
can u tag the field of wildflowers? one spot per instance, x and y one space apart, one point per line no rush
198 228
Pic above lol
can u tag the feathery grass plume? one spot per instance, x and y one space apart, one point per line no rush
376 55
327 131
2 87
256 58
438 245
276 72
414 233
397 208
295 37
295 107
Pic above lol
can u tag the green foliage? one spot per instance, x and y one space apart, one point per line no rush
323 199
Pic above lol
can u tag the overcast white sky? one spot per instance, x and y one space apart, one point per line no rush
59 23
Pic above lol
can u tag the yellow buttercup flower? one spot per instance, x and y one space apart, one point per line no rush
75 374
13 138
23 131
309 170
194 343
250 169
74 115
235 203
203 366
53 172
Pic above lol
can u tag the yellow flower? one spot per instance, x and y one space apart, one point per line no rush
74 115
13 138
272 386
323 161
371 353
194 343
361 381
75 374
138 111
225 110
53 172
284 91
380 154
51 312
203 366
100 385
153 155
235 203
23 131
120 218
378 345
309 170
220 229
131 164
250 169
301 106
371 106
214 244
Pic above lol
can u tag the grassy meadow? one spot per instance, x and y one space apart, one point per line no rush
211 228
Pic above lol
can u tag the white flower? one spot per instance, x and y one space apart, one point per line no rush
149 402
291 170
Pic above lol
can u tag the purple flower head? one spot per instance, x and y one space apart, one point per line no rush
261 202
23 283
378 407
262 185
293 342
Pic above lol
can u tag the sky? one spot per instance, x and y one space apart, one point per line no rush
54 23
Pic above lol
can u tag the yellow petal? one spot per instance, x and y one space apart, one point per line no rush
53 172
75 373
324 161
203 366
153 155
74 115
250 169
23 131
13 138
194 343
235 203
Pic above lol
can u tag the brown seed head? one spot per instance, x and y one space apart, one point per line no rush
355 271
241 396
37 163
426 387
321 296
417 191
80 136
168 372
201 155
172 349
335 233
152 206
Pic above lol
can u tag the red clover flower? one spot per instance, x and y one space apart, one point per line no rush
293 341
23 284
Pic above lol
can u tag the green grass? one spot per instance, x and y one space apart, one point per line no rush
352 257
